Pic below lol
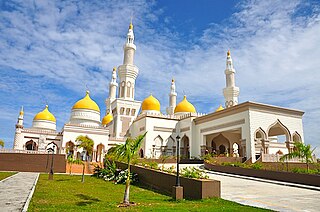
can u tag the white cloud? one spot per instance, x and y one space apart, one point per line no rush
58 47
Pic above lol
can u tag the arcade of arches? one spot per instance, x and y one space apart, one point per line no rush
277 137
225 143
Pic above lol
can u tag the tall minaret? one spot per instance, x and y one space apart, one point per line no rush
172 99
123 107
230 92
128 72
18 138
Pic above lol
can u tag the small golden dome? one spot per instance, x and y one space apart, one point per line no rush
219 108
228 53
185 106
172 80
114 69
131 26
45 115
86 103
151 103
107 119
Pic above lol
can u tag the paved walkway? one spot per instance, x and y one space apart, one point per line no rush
15 191
265 193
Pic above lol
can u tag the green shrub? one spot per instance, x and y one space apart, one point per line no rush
305 171
256 166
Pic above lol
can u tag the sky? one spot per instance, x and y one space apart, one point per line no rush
51 51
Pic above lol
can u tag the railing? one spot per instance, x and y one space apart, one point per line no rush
22 151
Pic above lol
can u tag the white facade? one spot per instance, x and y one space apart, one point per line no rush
246 129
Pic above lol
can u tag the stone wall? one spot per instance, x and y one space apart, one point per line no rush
32 162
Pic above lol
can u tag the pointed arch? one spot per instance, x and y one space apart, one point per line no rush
52 143
260 134
158 141
277 128
31 145
296 137
100 152
170 142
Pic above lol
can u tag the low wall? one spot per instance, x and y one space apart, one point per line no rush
305 179
227 159
32 162
192 188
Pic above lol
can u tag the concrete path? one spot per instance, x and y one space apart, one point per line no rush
274 195
16 191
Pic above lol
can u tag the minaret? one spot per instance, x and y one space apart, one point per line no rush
18 138
172 99
20 119
128 72
122 106
230 92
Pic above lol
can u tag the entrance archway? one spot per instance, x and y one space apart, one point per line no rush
100 152
222 149
70 149
31 145
185 149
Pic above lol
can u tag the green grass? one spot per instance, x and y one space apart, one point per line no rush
67 193
4 175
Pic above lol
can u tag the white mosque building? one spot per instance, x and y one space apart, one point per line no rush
246 129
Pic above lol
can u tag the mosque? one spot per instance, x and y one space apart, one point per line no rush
245 129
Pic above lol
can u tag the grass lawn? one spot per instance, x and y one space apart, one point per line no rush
67 193
4 175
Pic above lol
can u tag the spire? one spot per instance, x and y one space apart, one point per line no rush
230 92
173 87
113 84
131 25
130 35
172 98
21 111
20 119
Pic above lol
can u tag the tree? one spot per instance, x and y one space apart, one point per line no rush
87 144
1 143
301 151
127 152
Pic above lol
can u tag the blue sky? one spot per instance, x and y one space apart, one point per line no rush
50 50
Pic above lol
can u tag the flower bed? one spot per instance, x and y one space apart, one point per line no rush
192 188
305 179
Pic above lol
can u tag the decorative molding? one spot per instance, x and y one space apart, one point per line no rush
184 129
221 126
249 106
163 129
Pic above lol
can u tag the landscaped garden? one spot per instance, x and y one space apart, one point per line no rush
67 193
4 175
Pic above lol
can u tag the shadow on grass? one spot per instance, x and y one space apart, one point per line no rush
152 188
61 180
87 200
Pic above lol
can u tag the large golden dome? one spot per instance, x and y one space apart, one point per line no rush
86 103
185 107
107 119
45 115
151 103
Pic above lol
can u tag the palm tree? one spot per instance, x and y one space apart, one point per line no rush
1 143
301 151
127 152
86 143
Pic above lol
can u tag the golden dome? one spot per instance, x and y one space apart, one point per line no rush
45 115
131 25
185 106
228 53
219 108
151 103
107 119
86 103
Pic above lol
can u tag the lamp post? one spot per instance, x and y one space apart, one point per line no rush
51 149
178 160
177 190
